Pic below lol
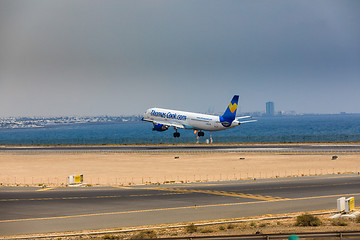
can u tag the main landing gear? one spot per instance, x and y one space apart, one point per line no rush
176 133
199 134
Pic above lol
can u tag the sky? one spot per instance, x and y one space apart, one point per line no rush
86 58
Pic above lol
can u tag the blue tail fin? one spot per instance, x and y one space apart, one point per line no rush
230 111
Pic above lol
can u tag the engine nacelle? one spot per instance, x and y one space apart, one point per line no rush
160 127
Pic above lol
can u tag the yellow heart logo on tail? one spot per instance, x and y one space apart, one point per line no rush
232 107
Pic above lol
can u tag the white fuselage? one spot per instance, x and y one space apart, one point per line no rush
188 120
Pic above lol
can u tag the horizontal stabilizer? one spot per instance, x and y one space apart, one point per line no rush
249 121
243 117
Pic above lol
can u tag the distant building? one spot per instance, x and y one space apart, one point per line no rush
270 109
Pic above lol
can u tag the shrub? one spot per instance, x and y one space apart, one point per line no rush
263 225
191 228
339 222
230 226
253 224
306 220
221 228
206 230
146 234
358 219
107 236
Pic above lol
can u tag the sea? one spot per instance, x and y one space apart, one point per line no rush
284 129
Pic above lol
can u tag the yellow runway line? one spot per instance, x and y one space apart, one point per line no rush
222 193
337 195
46 189
94 197
123 187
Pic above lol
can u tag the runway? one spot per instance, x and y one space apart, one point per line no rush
35 210
267 148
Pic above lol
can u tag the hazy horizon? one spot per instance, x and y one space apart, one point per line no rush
262 114
97 58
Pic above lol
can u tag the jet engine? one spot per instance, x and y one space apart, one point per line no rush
160 127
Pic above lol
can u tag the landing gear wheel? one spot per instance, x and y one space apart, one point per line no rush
176 134
201 134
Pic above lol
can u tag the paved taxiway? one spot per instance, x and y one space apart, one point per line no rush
28 210
287 148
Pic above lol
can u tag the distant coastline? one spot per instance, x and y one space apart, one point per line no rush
41 122
312 128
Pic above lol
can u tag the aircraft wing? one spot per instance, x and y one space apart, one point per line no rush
170 124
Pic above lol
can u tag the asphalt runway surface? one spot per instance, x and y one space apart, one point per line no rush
35 210
287 148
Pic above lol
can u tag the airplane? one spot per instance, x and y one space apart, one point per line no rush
162 119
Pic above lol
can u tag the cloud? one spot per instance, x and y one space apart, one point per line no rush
114 57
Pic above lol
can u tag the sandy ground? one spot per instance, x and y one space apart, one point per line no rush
138 168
